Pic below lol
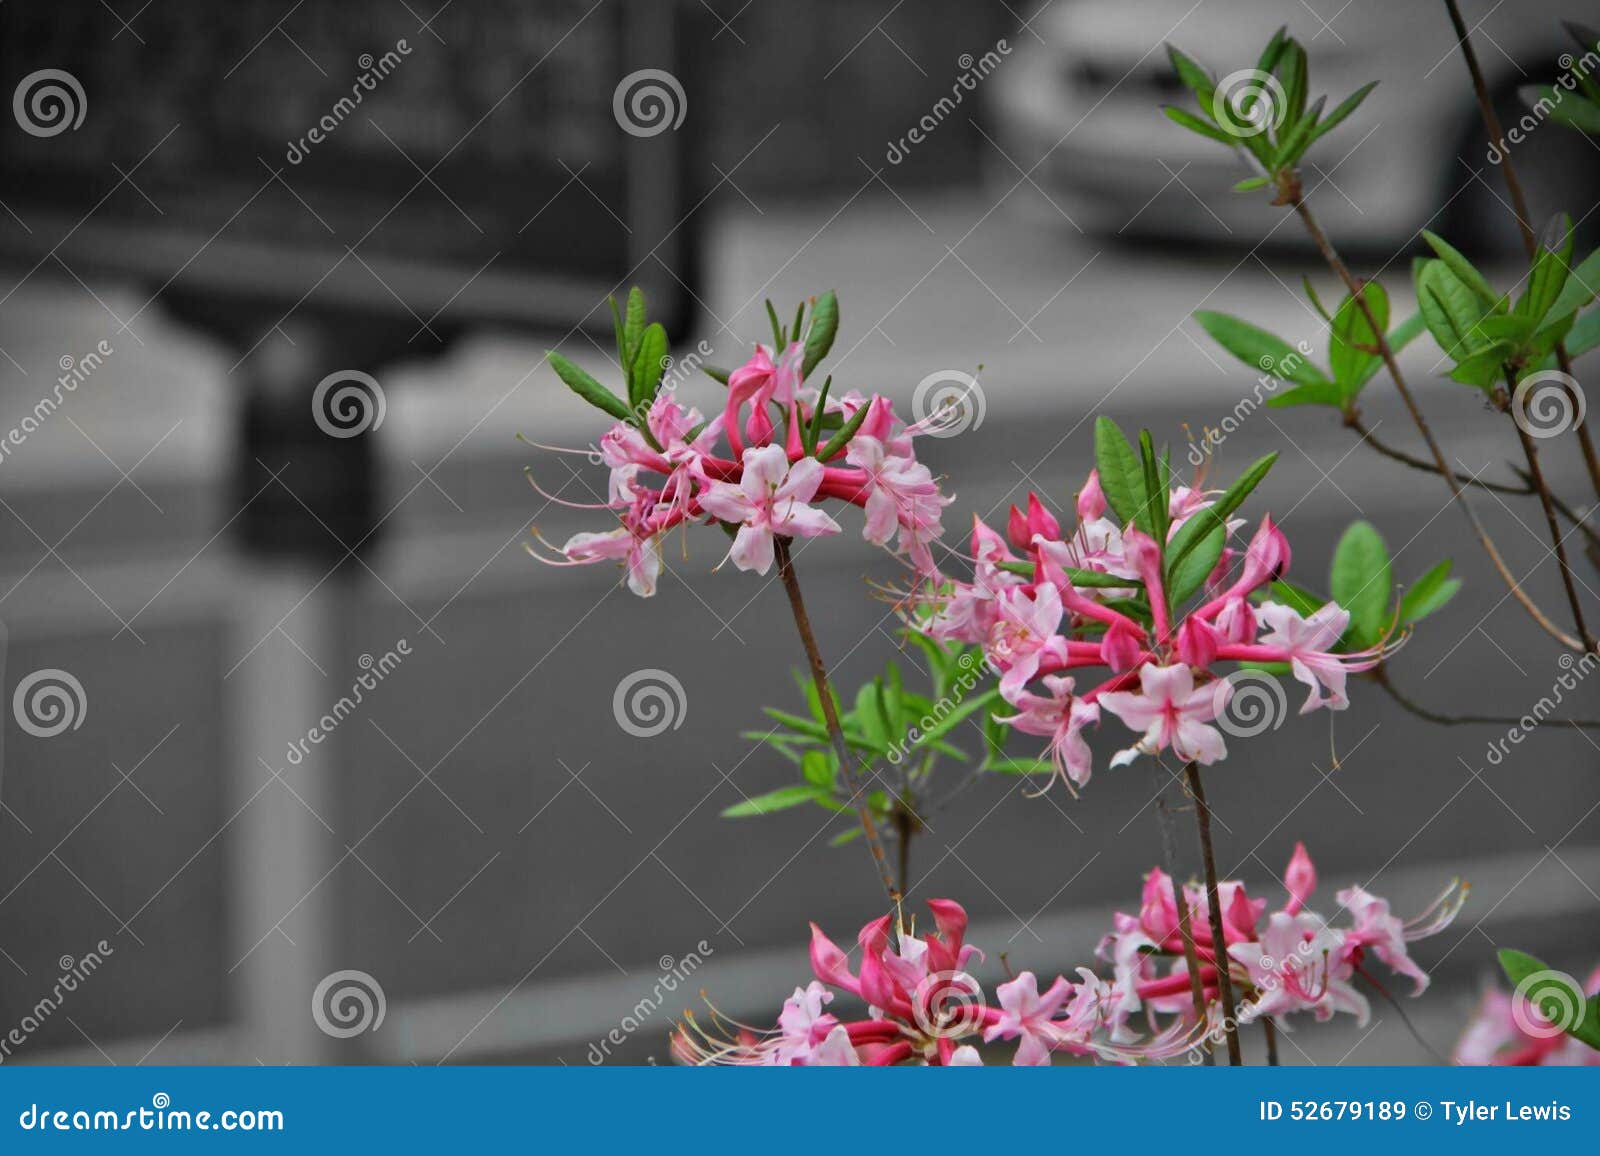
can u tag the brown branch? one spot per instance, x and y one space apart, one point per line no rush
1536 475
819 677
1169 855
1519 204
1411 706
1271 1030
1353 421
1294 196
1219 941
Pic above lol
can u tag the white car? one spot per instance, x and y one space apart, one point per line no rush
1077 105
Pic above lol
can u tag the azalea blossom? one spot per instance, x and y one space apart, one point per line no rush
1281 963
922 1005
1046 599
668 469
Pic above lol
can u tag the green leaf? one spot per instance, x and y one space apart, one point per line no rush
649 363
846 835
819 768
1296 143
779 800
1584 334
1352 367
1581 288
1361 581
1548 275
1194 77
1010 766
1557 997
1215 516
1338 116
1260 350
869 716
1250 184
1204 128
824 326
1121 475
716 373
1484 368
847 431
953 716
633 326
1428 594
777 328
586 387
622 343
1462 268
1451 309
1189 572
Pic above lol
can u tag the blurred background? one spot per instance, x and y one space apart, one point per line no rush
217 223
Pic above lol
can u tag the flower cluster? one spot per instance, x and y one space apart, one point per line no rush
667 468
1044 602
1291 960
1509 1031
923 1007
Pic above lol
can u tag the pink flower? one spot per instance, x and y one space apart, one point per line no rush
1300 878
1059 717
769 499
1026 1013
1307 645
901 494
1172 712
1024 634
641 555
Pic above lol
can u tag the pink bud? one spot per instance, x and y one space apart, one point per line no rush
1197 643
829 962
1041 521
1091 499
1301 878
1266 559
1017 529
1120 649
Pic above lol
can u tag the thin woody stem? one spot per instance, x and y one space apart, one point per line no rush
1336 263
1536 475
1411 706
819 677
1219 941
1167 821
1271 1030
1519 205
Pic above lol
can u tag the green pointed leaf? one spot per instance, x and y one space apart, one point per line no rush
1581 288
649 363
824 326
847 431
1428 594
1451 309
1485 368
1361 581
633 326
1189 572
820 768
1338 116
586 387
1464 269
1121 475
1260 350
780 800
1352 366
1250 184
1203 522
1204 128
1302 601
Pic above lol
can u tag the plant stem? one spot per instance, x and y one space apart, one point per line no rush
1219 942
1378 675
819 678
1354 422
1167 822
1519 206
904 825
1271 1030
1536 475
1336 263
